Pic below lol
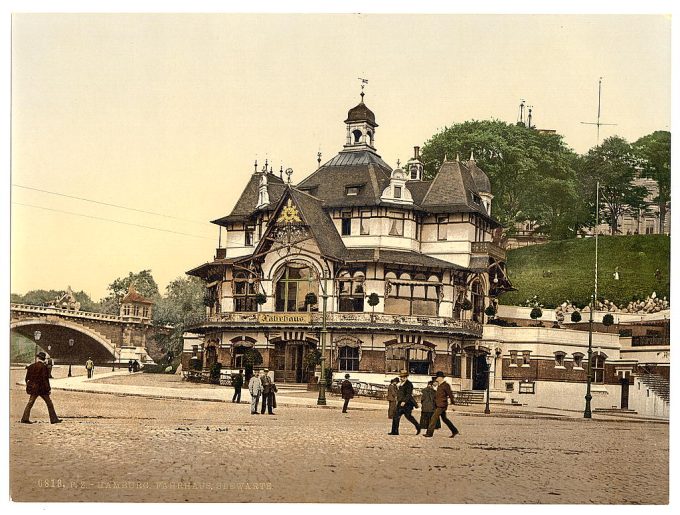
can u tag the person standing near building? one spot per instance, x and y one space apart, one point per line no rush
405 404
38 385
89 366
427 405
238 384
392 398
50 364
347 392
441 399
266 393
255 389
130 366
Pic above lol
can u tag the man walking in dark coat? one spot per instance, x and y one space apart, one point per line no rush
38 385
238 384
347 392
441 400
427 406
405 404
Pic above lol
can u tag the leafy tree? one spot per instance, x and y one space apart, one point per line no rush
518 160
613 164
183 302
43 297
654 157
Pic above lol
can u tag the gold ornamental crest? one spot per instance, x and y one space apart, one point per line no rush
289 214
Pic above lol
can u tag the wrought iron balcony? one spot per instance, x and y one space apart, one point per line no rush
359 321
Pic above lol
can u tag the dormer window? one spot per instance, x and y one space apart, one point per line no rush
249 236
346 223
351 191
476 199
397 192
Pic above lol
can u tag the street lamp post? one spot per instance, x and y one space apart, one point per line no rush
321 401
71 341
488 382
587 413
36 337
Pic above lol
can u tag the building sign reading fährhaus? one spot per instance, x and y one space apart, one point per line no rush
284 318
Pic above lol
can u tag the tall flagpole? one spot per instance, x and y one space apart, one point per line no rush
587 413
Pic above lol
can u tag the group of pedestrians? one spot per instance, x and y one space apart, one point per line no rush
435 400
261 387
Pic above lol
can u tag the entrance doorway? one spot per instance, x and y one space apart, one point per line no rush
288 362
478 371
624 392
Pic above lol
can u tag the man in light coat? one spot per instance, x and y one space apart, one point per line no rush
255 389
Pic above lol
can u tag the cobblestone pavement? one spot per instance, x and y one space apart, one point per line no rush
138 449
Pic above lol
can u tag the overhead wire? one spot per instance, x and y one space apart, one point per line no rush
84 199
112 220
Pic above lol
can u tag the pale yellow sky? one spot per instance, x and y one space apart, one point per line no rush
166 113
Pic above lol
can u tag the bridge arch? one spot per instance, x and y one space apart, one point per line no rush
24 326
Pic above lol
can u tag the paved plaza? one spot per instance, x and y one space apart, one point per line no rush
159 444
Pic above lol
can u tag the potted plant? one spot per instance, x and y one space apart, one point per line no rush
466 305
260 298
608 320
576 316
310 299
535 314
373 301
490 311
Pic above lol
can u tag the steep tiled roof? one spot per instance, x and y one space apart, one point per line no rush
481 179
134 296
320 224
363 169
245 205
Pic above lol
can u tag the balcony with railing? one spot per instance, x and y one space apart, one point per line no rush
488 248
359 321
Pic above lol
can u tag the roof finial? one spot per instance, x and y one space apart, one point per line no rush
457 157
445 157
398 163
363 83
281 172
289 172
472 155
318 158
266 165
255 166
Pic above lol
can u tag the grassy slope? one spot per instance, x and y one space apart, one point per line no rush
572 265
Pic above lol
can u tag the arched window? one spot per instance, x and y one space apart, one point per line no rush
559 359
412 296
292 289
357 136
578 359
370 137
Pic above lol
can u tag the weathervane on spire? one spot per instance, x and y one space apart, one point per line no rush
363 83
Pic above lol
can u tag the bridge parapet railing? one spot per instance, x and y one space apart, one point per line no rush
49 310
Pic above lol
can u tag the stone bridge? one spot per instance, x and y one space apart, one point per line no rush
103 337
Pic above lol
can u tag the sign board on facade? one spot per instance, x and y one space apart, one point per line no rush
284 318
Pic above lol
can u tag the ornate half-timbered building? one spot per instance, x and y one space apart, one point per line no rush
393 271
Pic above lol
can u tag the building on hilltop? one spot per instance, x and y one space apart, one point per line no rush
404 266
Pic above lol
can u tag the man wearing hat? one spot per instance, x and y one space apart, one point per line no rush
347 392
441 401
266 392
405 404
38 385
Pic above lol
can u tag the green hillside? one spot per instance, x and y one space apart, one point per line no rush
562 270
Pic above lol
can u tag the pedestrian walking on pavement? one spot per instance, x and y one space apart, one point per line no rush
427 405
130 366
50 364
238 384
392 397
405 404
255 389
266 393
38 385
89 366
441 400
347 392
